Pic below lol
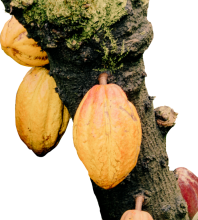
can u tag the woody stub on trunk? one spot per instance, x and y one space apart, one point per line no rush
85 38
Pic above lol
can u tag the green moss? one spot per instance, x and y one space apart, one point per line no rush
111 60
22 3
145 2
86 15
93 13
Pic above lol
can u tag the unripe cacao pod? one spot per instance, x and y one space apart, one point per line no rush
41 117
107 134
18 46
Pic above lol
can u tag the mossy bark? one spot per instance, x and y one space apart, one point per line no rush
76 71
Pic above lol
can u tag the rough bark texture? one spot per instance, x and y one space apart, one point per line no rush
75 73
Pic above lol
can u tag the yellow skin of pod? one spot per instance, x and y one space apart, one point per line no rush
18 46
107 134
41 117
136 215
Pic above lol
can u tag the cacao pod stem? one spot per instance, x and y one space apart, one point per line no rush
138 202
103 78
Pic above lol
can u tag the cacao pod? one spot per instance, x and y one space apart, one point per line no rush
188 184
41 117
136 215
107 134
18 46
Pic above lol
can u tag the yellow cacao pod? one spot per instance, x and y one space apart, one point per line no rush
107 134
18 46
41 117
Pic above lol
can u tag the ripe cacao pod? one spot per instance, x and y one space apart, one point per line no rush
41 117
107 134
18 46
136 215
188 184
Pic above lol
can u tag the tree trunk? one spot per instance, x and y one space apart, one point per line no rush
76 65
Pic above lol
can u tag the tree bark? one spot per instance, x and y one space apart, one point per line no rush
76 71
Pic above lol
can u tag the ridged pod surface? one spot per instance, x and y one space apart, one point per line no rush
18 46
41 117
107 134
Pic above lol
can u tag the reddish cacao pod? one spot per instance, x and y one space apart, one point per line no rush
188 184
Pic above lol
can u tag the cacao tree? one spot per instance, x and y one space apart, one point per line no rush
76 70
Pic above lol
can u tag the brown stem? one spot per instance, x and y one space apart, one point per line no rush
11 9
138 202
103 78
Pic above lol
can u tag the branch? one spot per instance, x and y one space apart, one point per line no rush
165 118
